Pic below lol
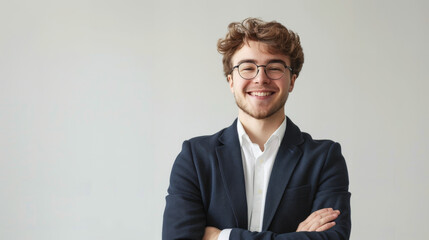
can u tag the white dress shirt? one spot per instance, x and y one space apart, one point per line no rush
257 166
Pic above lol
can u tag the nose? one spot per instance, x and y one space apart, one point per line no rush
261 76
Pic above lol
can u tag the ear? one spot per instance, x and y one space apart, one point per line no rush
231 83
292 82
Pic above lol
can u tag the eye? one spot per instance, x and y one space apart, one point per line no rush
247 67
275 67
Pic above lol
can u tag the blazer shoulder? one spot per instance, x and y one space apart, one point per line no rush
207 144
227 135
205 139
309 141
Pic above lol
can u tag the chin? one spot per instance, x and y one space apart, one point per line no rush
261 114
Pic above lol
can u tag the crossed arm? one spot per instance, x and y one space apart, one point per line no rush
186 217
318 221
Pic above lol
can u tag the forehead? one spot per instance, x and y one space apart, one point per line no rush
258 52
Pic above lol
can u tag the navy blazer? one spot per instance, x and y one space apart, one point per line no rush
207 188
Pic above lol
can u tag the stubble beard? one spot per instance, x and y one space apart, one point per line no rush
260 114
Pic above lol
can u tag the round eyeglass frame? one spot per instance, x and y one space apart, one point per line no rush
265 70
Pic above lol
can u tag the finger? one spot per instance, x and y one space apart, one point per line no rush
322 219
317 213
309 221
325 227
323 210
312 222
329 214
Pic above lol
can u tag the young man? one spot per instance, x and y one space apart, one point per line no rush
260 178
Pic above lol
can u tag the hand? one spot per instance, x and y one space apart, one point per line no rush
211 233
320 220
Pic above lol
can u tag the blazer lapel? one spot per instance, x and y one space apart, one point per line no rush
231 170
284 165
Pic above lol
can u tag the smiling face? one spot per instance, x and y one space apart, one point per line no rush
260 97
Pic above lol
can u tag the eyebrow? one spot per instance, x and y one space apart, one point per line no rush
253 61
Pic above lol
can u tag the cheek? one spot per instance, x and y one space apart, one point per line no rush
238 87
285 85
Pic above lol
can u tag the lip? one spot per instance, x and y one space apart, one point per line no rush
260 93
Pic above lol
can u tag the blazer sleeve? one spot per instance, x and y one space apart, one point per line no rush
332 191
184 215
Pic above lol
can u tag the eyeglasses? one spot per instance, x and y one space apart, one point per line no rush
273 70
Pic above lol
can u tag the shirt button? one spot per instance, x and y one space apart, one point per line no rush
259 191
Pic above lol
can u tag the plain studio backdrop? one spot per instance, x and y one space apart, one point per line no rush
96 98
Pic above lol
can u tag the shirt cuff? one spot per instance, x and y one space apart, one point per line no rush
224 234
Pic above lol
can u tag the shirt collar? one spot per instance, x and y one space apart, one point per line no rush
278 134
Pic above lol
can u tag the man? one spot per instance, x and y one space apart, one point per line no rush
260 178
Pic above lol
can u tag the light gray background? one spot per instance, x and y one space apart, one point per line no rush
96 98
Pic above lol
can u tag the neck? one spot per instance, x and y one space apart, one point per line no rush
260 130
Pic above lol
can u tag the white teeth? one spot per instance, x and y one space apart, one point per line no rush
260 94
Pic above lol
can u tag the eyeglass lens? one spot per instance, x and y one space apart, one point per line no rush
248 70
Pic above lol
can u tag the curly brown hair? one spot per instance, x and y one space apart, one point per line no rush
278 38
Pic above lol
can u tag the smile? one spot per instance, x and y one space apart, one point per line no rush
261 94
